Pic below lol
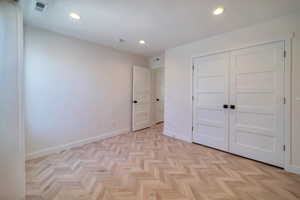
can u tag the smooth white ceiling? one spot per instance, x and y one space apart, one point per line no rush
161 23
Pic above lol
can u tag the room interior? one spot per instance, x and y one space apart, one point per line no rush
149 100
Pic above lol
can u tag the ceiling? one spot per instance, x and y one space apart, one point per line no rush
162 24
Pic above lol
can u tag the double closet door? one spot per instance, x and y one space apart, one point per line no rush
238 102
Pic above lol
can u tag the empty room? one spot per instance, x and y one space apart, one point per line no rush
149 100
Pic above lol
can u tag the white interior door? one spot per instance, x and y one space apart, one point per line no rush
256 123
159 95
210 90
141 98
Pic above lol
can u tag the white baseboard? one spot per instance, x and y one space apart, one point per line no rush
169 133
175 135
79 143
293 169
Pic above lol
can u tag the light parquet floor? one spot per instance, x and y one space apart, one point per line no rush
147 165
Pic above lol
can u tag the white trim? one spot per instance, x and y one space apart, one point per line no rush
169 133
176 136
287 92
288 106
57 149
191 98
286 38
184 138
20 86
293 169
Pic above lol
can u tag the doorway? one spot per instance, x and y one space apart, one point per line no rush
158 94
141 98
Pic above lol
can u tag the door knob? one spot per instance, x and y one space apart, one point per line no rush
232 107
225 106
135 101
157 99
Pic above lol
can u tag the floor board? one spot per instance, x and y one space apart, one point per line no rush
147 165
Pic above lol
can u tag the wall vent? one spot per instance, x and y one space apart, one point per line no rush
40 6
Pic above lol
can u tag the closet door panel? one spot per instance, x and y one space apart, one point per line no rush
210 90
256 90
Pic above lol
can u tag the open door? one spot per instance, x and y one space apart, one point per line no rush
158 94
141 104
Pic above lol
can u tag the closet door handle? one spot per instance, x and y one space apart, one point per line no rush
225 106
232 107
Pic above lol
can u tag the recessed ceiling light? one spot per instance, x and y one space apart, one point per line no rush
142 42
74 16
218 11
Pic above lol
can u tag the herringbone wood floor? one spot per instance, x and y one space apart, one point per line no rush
149 166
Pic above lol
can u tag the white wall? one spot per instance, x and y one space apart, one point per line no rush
12 171
75 90
178 109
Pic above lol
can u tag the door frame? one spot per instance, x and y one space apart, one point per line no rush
287 92
21 93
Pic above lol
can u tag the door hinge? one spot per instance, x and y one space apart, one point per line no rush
193 98
284 100
192 128
283 148
284 54
193 67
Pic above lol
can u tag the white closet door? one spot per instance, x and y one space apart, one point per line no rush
141 98
256 124
210 94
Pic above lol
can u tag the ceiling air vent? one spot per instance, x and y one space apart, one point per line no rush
40 6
